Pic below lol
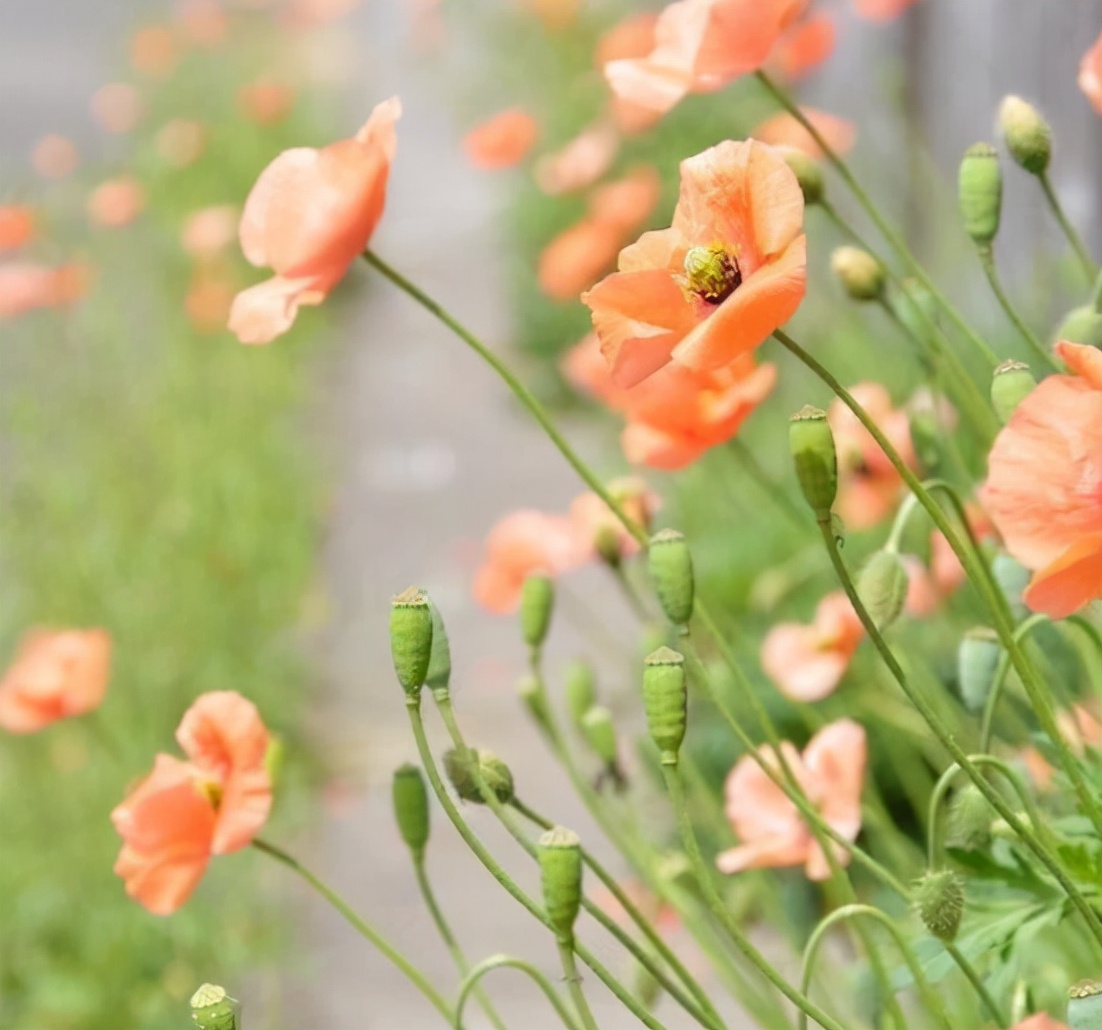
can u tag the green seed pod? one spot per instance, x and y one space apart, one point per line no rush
600 733
213 1009
537 600
1082 325
882 587
1009 385
860 274
411 638
977 659
671 570
460 767
1013 578
1085 1005
939 901
1028 136
411 807
970 818
980 193
808 172
560 858
812 444
440 661
665 701
580 690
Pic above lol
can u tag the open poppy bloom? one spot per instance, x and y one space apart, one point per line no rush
502 141
309 216
785 130
730 270
182 813
1090 74
771 830
55 675
1044 485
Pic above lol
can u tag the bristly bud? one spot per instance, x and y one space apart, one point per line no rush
1028 136
411 807
939 901
580 689
460 765
812 444
440 661
1010 384
213 1009
665 701
537 600
882 587
980 193
560 858
1082 325
671 570
808 172
970 818
411 638
1085 1005
860 274
977 659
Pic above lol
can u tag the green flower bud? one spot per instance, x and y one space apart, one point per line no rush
671 569
665 701
808 172
882 587
213 1009
1013 578
645 987
411 638
1085 1005
970 818
1082 325
528 687
606 542
812 443
980 193
1028 136
440 661
274 755
411 807
1009 385
860 274
917 308
560 858
926 438
537 599
939 901
460 765
600 733
977 658
581 690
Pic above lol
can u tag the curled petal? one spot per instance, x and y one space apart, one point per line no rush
267 310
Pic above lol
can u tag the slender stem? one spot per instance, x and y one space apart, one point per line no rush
987 724
774 491
1076 241
978 985
1094 638
488 965
574 984
987 260
365 929
631 595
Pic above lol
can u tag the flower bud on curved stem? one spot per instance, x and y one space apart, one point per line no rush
560 858
665 701
411 807
1010 384
439 672
1028 136
671 569
811 441
580 690
980 193
860 274
460 765
1082 325
882 586
601 737
537 601
939 901
977 659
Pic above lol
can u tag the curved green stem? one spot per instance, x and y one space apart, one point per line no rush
1094 638
365 929
574 984
1076 241
987 260
488 965
987 723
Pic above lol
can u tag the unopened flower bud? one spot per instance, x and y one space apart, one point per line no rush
645 987
560 858
811 441
440 661
808 172
970 818
600 733
926 438
1010 384
537 599
665 701
1085 1005
1028 136
980 193
671 570
461 766
532 694
213 1009
1082 325
1012 577
860 274
939 901
977 659
606 542
411 638
580 690
882 587
411 807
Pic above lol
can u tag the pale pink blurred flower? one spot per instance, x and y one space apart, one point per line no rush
17 226
153 51
181 141
314 13
1090 74
597 526
116 202
117 107
923 596
881 10
784 130
26 286
501 141
54 157
210 230
266 101
581 162
203 22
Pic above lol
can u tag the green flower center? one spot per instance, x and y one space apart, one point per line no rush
712 272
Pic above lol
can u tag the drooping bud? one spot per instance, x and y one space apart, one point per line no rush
537 600
977 659
939 901
808 172
411 638
1085 1005
882 587
440 661
606 542
860 274
665 701
411 807
1028 136
671 570
1082 325
1011 382
970 818
812 444
534 698
926 438
560 858
1012 577
600 733
461 766
213 1009
712 272
580 690
980 193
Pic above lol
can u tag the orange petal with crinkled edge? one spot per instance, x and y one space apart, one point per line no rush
1069 583
1090 74
785 130
793 657
501 141
1085 361
267 310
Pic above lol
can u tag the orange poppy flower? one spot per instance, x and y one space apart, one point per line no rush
185 812
16 226
783 130
630 39
881 10
501 141
56 674
807 662
580 163
1090 74
116 202
1044 485
771 830
308 217
730 270
701 46
25 286
804 46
